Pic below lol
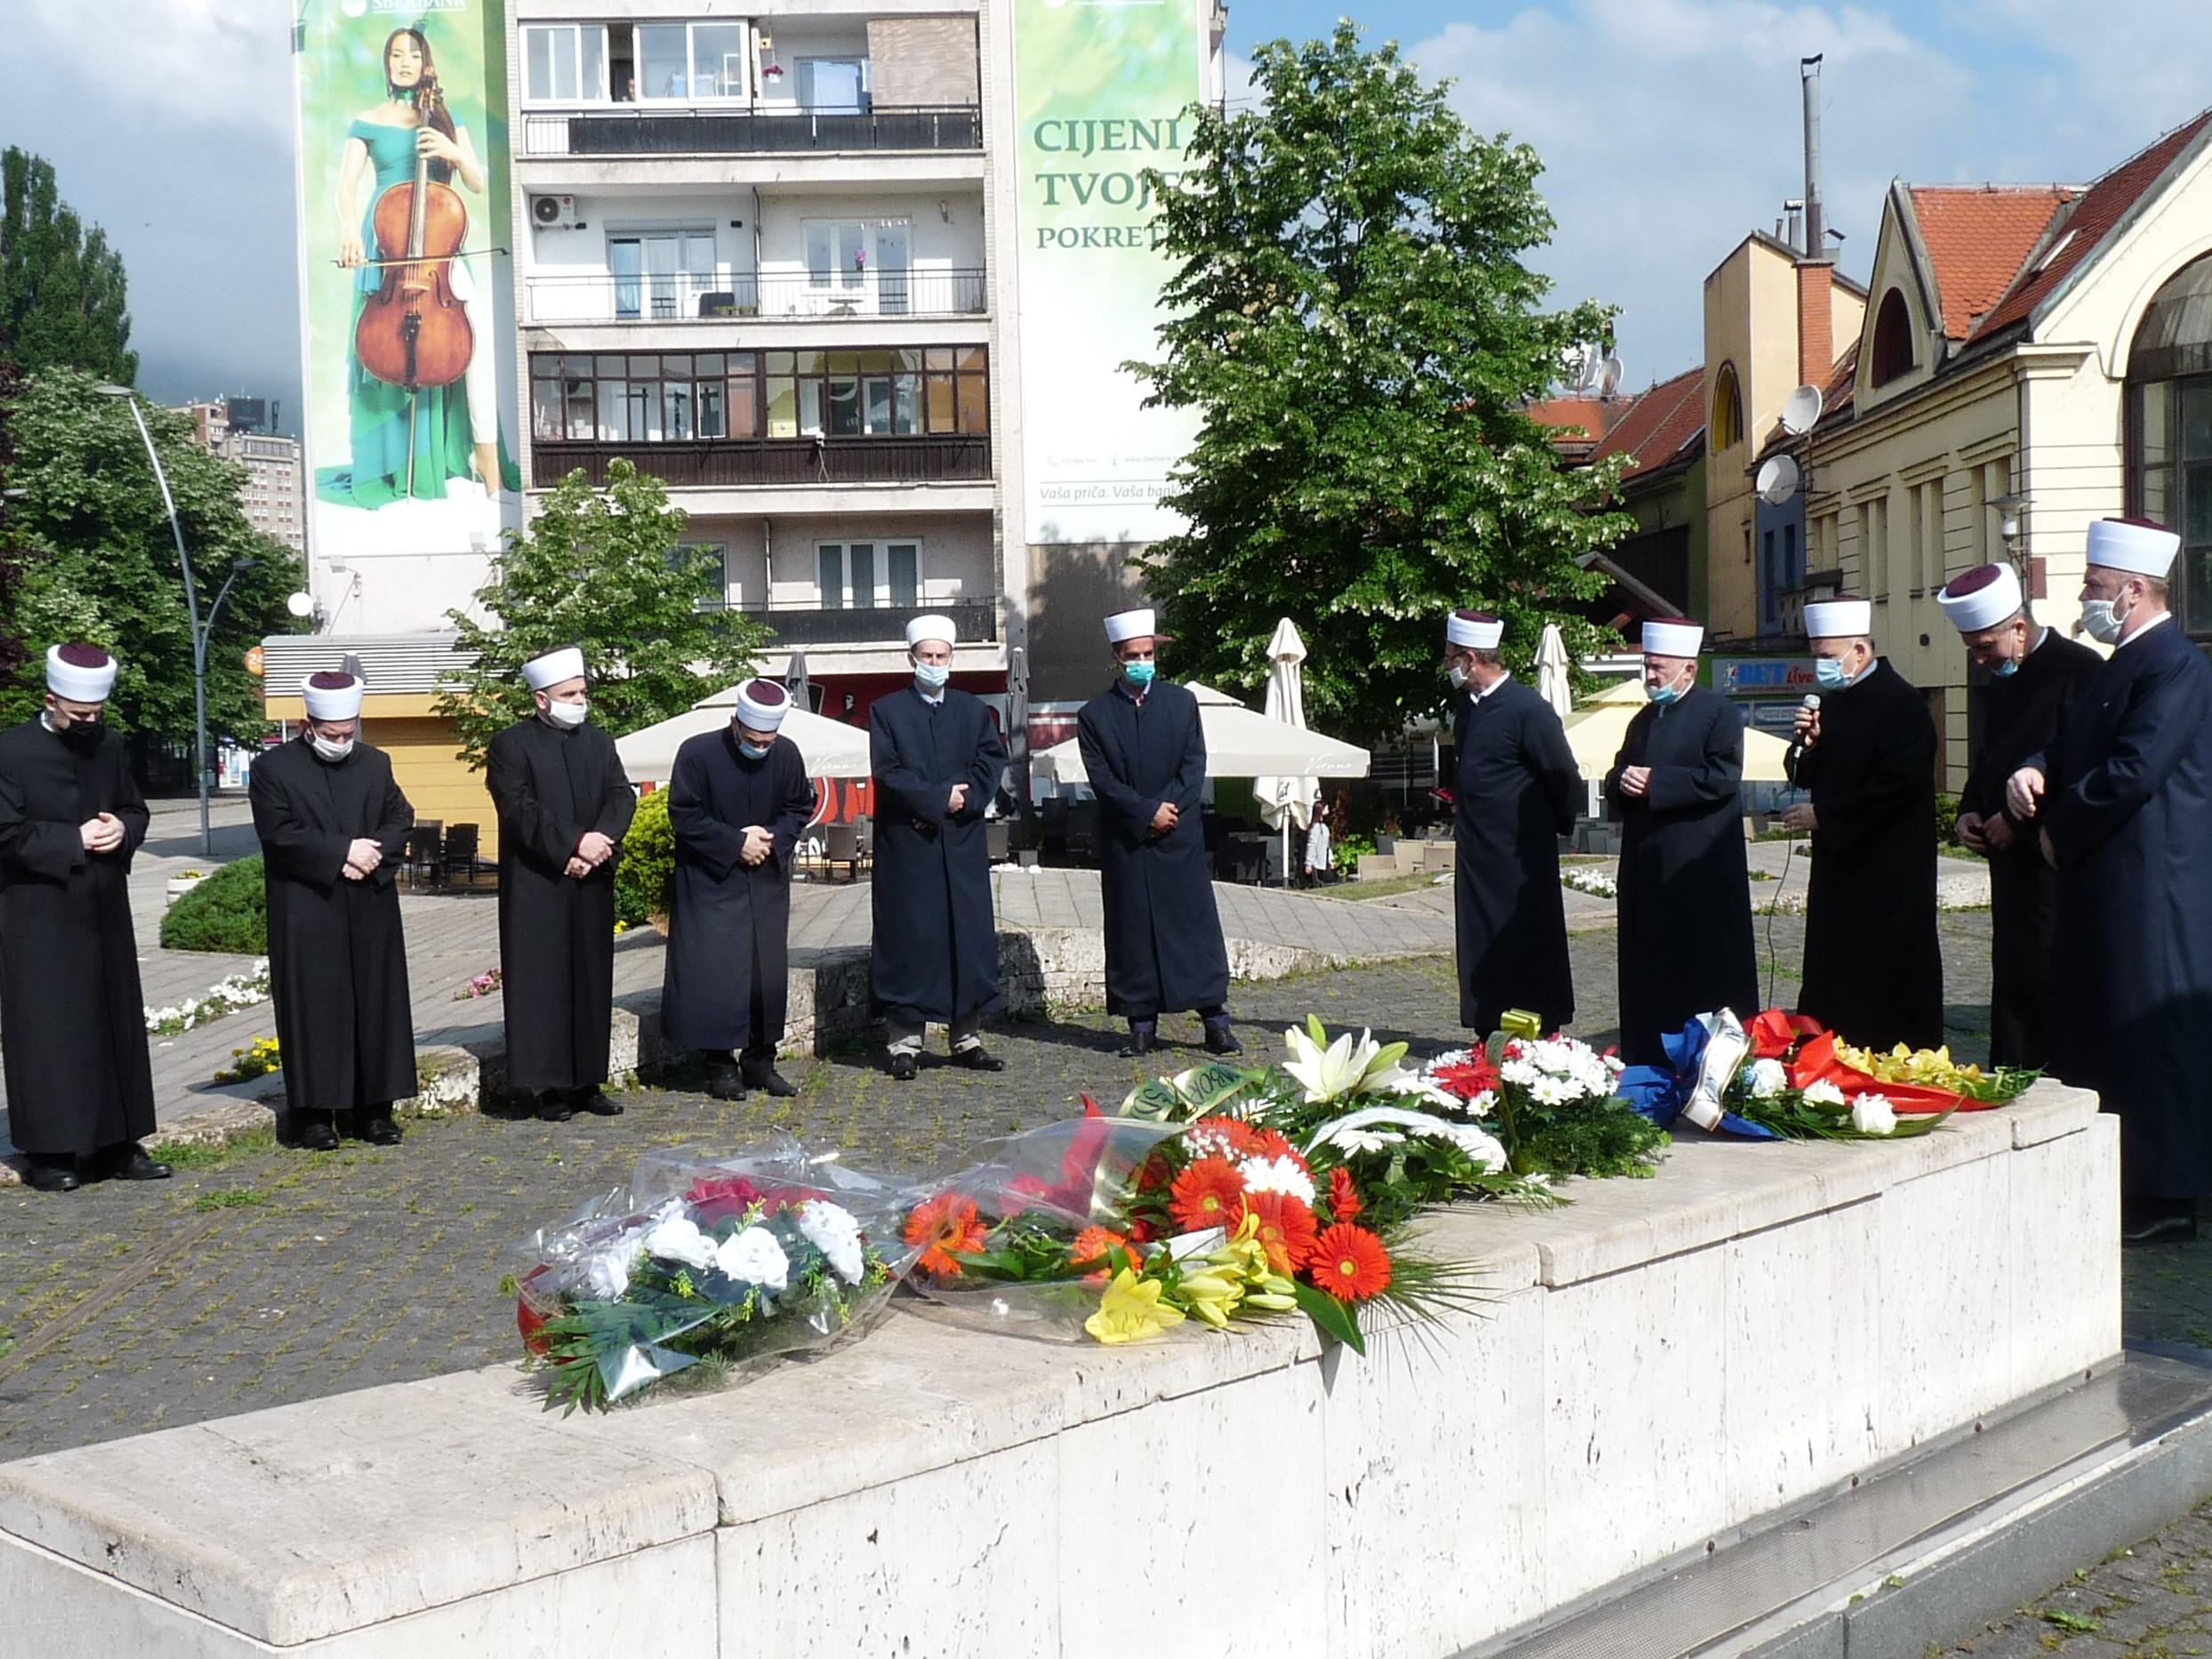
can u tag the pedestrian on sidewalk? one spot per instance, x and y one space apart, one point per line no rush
72 1015
1684 904
935 757
564 804
1319 859
2120 802
2037 673
1145 752
738 800
333 828
1514 791
1873 971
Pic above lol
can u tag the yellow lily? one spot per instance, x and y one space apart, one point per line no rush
1131 1311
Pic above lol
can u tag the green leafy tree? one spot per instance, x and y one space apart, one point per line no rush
600 569
16 555
103 566
1356 327
62 293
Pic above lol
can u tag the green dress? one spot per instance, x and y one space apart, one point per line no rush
377 474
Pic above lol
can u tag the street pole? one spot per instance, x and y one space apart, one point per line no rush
191 604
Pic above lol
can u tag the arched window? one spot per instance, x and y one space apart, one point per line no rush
2170 431
1725 428
1893 339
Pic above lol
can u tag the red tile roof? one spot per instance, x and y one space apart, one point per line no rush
2090 219
1977 237
1575 419
1659 425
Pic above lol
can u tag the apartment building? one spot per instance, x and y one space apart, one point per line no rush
272 497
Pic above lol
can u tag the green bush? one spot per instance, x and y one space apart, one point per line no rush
647 874
228 912
1347 853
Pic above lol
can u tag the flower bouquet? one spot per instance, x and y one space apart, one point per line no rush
706 1268
1554 1103
1913 1081
1716 1079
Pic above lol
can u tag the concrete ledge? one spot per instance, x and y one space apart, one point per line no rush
1663 1360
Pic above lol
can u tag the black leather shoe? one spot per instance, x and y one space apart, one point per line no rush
316 1134
977 1058
1142 1039
595 1101
553 1108
131 1163
763 1075
724 1081
379 1131
1221 1039
41 1176
903 1067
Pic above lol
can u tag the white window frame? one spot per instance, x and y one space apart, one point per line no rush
881 592
575 31
746 53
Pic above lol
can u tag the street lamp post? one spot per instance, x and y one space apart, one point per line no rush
200 630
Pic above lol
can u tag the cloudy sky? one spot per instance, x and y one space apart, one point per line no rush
1668 128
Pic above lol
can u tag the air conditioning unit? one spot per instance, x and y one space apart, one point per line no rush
553 213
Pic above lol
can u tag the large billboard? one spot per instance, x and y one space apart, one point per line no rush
1102 92
406 287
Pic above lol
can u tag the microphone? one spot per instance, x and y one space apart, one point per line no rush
1811 706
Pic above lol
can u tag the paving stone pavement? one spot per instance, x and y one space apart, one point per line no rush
2151 1601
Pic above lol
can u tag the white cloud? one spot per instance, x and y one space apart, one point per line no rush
225 62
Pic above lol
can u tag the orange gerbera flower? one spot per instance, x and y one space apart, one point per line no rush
1091 1244
1343 1195
1205 1195
1349 1262
1286 1228
1271 1143
1218 1137
941 1228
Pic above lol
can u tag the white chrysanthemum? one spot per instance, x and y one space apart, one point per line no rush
832 1230
1767 1079
1357 1140
1872 1114
1278 1174
678 1238
604 1274
1822 1092
753 1256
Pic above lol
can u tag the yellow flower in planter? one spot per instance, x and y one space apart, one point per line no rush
1131 1311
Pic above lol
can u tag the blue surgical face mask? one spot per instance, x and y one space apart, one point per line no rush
2004 670
751 752
1139 674
1830 673
1671 692
932 674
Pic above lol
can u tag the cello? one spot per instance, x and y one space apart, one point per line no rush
412 332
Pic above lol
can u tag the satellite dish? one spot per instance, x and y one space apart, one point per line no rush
1801 409
1777 481
1609 376
300 604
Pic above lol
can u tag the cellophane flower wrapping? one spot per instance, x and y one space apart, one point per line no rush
719 1263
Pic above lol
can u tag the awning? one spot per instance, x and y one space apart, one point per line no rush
1239 744
830 748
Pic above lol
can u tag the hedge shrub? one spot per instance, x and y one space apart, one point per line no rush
645 877
228 912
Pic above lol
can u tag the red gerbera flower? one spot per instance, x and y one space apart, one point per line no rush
1206 1195
1270 1143
1152 1174
1219 1135
1091 1244
1466 1079
941 1228
1349 1262
1286 1228
1343 1195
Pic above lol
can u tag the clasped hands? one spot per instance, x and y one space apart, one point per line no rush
592 850
1166 818
102 833
362 858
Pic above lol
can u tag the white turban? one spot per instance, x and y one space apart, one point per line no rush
333 696
548 669
761 704
1839 619
82 673
2139 548
1473 631
1130 625
1981 598
931 628
1674 637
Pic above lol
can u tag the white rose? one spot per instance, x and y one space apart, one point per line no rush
1872 1114
831 1229
1822 1092
754 1258
604 1274
678 1238
1769 1079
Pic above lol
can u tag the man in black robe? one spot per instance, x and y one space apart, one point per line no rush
1145 753
2121 802
72 1016
1515 791
564 804
334 828
2036 674
738 801
1685 905
1873 971
935 757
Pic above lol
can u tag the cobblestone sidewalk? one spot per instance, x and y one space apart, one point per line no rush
2152 1601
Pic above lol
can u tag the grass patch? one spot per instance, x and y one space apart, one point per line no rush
1387 886
228 1199
207 1155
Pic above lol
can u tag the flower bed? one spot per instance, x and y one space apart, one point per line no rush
227 995
1590 881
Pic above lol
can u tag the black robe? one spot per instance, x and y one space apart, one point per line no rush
1516 791
2024 710
1684 908
935 951
727 980
1163 949
72 1016
1873 971
337 957
551 785
2128 809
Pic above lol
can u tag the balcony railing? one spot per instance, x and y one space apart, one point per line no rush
682 297
721 462
638 132
976 619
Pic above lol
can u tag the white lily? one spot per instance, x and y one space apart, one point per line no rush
1331 1070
